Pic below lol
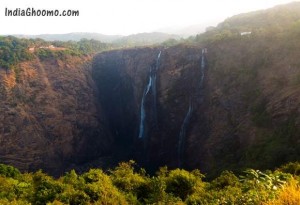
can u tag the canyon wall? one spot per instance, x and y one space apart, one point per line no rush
227 105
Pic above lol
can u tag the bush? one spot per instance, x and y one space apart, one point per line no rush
291 167
99 187
182 183
126 179
9 171
226 179
46 189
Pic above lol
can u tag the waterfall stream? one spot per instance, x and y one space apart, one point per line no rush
151 84
202 67
182 134
143 112
184 126
154 87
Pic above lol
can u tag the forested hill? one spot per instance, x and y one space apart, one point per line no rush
73 37
139 39
279 18
14 50
279 21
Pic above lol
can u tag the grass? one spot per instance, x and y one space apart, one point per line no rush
289 195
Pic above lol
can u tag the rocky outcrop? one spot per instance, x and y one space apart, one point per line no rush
50 117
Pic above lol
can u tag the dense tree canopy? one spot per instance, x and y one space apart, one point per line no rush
127 185
14 50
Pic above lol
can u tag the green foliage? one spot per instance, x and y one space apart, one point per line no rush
99 188
46 189
126 179
291 167
170 42
144 39
260 186
83 47
226 179
9 171
182 183
127 185
13 51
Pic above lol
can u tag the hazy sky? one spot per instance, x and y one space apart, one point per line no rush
124 16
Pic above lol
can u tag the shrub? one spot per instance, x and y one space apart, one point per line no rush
126 179
182 183
46 189
291 167
99 187
9 171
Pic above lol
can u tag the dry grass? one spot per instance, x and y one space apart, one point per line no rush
9 80
289 195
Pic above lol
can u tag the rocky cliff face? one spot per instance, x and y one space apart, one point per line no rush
50 117
244 113
233 107
253 102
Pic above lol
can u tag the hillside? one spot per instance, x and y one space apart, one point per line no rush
140 39
253 89
144 39
277 21
73 37
278 18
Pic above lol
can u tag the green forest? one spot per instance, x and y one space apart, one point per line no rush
128 184
14 50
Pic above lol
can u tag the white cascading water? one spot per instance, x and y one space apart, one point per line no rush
202 68
143 112
182 134
151 84
154 87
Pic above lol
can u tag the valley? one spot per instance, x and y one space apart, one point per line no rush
219 100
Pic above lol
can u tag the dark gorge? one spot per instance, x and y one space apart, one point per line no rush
145 94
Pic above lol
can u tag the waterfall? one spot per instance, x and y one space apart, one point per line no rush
157 60
154 87
202 67
182 134
151 84
143 112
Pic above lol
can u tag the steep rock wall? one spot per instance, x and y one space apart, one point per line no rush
50 115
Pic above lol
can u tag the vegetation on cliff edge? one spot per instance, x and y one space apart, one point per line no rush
14 50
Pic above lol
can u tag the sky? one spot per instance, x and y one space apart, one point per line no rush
124 17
